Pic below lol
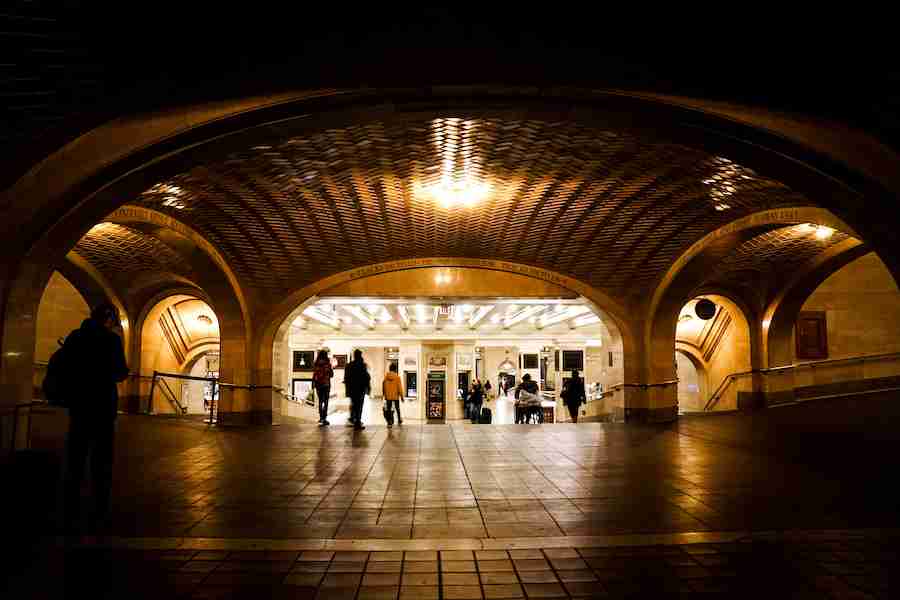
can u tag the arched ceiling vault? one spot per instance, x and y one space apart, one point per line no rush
608 207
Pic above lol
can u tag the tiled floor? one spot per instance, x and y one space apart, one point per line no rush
549 510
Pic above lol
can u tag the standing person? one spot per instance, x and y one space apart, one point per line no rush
527 398
392 388
358 383
322 374
476 398
573 395
94 363
487 389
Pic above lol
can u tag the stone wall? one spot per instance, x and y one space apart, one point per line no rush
862 309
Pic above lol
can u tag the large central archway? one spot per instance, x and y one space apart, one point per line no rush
461 278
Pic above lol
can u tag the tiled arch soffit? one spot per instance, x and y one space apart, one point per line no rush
792 149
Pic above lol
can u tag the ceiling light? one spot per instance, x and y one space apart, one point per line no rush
720 206
823 233
205 319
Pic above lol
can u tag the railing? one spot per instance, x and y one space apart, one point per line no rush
213 404
16 417
643 386
729 379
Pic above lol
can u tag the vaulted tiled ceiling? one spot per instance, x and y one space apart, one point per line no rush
609 207
764 263
127 256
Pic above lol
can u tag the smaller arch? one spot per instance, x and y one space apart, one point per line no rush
691 400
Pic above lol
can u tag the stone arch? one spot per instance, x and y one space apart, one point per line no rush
680 284
274 329
145 338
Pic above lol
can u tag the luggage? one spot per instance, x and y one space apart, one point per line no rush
486 416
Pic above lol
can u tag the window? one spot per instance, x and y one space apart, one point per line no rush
572 359
529 361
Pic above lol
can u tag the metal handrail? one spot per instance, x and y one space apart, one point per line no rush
172 398
728 379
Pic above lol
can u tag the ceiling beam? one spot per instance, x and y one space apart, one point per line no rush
402 315
553 317
361 315
313 312
522 315
480 313
583 320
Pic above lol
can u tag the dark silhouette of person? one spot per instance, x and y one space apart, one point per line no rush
358 383
95 363
322 374
476 399
573 395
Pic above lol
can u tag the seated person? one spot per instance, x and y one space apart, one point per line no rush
528 400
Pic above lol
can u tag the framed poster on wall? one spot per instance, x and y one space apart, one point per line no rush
811 335
572 359
412 384
303 360
340 361
529 361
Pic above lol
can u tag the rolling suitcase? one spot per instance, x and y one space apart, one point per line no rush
486 416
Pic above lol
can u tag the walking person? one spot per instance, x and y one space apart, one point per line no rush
487 389
476 399
94 364
322 374
358 383
573 395
392 389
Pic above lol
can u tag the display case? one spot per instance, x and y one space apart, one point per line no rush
437 397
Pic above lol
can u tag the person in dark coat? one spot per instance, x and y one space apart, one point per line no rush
322 374
476 399
95 363
358 383
573 395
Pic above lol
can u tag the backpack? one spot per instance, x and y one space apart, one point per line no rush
54 384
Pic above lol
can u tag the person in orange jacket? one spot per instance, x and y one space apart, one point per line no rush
392 388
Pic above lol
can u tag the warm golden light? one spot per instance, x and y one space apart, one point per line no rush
823 233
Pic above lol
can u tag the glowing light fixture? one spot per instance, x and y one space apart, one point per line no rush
823 233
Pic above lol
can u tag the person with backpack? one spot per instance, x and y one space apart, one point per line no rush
322 374
93 362
358 383
392 389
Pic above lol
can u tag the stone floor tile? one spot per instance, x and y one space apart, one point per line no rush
459 578
419 579
545 590
537 576
310 567
381 579
390 556
458 566
315 555
487 566
304 579
499 577
341 580
568 563
346 567
491 554
420 555
456 554
503 591
553 553
425 566
579 575
526 553
383 567
336 593
531 564
378 593
462 592
351 556
419 592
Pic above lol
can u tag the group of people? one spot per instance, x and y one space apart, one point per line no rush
474 399
357 384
